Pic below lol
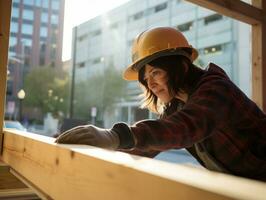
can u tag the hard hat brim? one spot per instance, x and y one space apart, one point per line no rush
131 72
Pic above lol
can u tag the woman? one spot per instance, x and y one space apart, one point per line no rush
201 110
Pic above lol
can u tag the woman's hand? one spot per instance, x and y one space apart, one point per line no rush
90 135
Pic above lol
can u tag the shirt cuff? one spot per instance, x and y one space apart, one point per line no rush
125 135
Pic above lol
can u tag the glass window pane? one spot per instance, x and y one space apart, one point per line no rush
27 42
185 27
44 17
15 12
38 3
27 29
44 32
160 7
28 2
54 19
55 5
12 41
45 3
28 14
14 27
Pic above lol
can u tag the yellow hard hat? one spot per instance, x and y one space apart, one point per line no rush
154 43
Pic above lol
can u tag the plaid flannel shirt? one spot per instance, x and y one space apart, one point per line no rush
217 114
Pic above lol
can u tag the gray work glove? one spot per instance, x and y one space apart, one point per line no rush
91 135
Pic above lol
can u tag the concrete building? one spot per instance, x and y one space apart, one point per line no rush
106 41
36 32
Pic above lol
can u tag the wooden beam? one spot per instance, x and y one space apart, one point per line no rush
5 15
21 193
259 65
84 172
11 187
35 190
259 59
235 9
9 181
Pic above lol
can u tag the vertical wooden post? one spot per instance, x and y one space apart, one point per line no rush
5 15
259 59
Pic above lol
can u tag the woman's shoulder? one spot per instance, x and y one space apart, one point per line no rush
214 76
215 70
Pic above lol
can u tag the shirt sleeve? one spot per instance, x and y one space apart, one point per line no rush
127 142
207 109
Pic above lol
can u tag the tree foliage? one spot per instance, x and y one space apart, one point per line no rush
101 91
47 88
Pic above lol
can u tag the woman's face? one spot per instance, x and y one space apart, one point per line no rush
156 80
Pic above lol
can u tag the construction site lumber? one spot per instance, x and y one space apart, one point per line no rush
85 172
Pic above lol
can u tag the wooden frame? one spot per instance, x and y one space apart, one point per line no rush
259 58
5 14
235 9
84 172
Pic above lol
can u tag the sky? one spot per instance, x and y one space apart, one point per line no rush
79 11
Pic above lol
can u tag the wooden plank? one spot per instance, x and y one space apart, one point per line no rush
84 172
259 66
259 60
16 194
9 181
235 9
35 190
5 14
11 187
4 167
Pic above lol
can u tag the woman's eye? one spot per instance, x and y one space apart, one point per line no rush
154 73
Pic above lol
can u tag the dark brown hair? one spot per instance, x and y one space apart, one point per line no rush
182 75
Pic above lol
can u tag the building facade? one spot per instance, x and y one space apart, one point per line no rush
106 41
36 33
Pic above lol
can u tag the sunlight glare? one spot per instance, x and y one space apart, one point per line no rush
79 11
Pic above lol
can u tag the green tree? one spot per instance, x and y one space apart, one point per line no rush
47 88
102 91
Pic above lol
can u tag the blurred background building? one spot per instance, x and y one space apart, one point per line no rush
36 33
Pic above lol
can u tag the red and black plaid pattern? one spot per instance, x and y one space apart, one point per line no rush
219 114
